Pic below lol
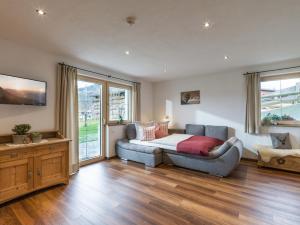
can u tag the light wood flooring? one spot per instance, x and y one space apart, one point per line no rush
116 192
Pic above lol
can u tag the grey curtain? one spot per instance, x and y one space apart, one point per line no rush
67 111
252 123
136 102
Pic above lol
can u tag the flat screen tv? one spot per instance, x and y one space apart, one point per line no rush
22 91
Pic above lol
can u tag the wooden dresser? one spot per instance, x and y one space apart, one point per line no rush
30 167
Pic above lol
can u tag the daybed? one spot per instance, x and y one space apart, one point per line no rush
221 161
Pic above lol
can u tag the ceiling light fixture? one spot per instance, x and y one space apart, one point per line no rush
127 53
226 57
206 24
40 12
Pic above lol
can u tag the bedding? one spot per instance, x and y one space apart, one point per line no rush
198 145
184 143
169 142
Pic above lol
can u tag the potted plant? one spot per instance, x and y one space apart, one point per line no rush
120 121
20 133
36 137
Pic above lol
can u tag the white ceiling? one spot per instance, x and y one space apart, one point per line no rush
167 32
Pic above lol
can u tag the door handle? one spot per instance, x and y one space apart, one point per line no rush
29 175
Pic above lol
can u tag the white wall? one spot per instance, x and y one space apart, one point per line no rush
19 60
222 103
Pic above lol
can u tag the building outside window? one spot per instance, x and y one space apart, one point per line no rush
119 103
280 100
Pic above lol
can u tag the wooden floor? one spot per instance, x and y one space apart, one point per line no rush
115 193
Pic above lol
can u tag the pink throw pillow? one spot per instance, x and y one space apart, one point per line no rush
161 129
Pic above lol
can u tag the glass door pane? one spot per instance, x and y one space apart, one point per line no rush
90 119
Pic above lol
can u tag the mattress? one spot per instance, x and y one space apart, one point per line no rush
169 142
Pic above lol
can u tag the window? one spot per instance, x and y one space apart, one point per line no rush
119 103
280 100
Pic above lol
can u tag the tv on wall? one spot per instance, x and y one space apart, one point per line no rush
22 91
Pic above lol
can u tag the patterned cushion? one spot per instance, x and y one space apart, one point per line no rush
139 128
281 140
161 129
148 133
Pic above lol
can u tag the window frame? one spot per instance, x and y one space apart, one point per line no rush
123 86
287 76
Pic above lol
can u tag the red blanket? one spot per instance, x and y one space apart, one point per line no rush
198 145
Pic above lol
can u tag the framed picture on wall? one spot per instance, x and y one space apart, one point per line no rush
190 97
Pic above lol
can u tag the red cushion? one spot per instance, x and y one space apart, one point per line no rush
198 145
161 129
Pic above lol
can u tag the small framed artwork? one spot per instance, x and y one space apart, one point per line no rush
190 97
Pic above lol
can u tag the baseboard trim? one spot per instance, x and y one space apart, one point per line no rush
251 160
113 157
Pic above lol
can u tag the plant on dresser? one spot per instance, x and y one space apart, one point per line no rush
20 135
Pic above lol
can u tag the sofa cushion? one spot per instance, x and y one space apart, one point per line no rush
219 132
161 129
131 131
195 129
138 148
281 140
139 128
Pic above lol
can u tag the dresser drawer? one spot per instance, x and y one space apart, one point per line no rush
9 156
47 149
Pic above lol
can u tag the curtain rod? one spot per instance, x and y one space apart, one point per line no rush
101 74
265 71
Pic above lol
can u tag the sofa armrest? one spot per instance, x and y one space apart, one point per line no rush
227 146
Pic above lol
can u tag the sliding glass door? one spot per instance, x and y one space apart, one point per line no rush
91 98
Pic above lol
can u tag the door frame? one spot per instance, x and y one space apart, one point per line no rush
104 119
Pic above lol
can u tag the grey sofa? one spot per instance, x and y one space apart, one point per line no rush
220 162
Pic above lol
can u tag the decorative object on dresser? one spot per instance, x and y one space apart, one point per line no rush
20 135
36 137
26 168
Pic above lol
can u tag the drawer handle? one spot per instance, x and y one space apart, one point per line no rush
38 172
280 161
29 175
13 155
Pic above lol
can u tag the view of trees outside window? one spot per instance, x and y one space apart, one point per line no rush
118 104
89 99
280 101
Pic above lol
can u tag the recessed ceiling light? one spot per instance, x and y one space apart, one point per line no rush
226 57
127 53
40 12
206 24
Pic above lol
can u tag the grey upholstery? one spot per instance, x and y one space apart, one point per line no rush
123 143
195 129
150 156
220 162
219 132
221 166
131 131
